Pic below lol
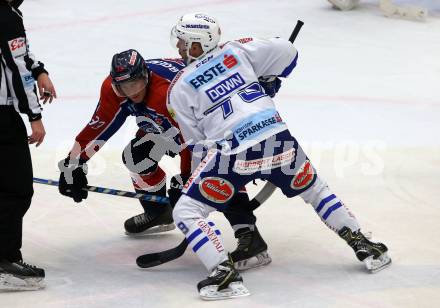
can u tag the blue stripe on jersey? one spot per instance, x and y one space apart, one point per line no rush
191 147
200 244
331 210
211 223
194 235
290 68
324 202
114 126
165 68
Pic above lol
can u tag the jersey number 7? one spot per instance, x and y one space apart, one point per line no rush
249 94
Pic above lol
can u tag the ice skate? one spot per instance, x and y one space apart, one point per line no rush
224 282
390 9
251 251
149 223
20 276
374 255
344 5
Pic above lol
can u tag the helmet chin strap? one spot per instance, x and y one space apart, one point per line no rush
190 59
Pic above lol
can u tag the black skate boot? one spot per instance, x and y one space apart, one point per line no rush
224 282
374 255
20 276
251 250
150 222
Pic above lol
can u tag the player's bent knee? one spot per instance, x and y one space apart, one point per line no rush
136 157
315 191
185 210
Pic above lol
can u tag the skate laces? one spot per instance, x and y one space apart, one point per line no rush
361 245
357 240
220 270
141 219
361 242
354 239
244 240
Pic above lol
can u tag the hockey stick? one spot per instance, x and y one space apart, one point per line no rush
111 191
158 258
292 38
295 31
411 12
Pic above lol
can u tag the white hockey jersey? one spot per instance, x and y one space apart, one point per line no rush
219 99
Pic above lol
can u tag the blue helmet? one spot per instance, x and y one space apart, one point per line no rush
127 69
128 65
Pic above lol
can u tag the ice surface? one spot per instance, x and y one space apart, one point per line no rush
364 101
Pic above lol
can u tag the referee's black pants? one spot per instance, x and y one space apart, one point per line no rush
16 188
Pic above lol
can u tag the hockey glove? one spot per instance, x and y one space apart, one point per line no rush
270 84
73 180
176 186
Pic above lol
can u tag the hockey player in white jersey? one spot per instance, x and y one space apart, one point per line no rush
219 104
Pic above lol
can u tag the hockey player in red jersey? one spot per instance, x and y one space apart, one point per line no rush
138 88
131 89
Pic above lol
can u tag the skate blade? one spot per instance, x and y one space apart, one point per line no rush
408 12
376 265
153 230
235 289
12 283
258 260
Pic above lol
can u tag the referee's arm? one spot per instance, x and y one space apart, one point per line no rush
18 73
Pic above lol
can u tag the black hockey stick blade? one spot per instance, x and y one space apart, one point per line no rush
158 258
296 30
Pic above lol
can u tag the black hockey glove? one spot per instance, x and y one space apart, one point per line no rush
160 142
270 84
73 180
176 186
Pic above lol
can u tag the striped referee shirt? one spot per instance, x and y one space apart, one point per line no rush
18 67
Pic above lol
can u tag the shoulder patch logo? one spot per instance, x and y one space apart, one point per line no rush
17 47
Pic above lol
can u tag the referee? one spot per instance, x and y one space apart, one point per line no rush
20 74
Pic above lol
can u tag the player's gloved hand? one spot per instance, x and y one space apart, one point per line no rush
176 186
72 180
270 84
158 144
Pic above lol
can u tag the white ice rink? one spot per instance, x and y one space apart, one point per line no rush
364 101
